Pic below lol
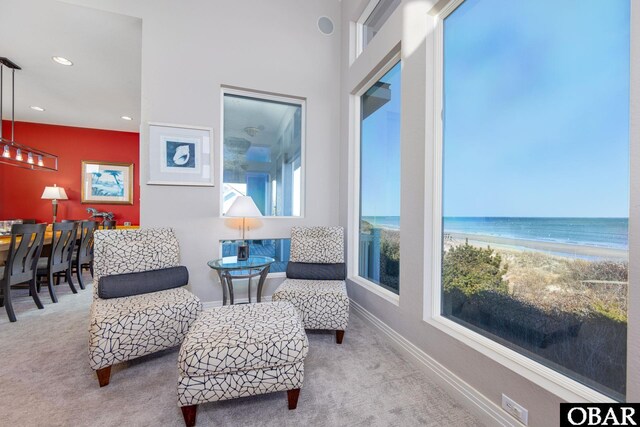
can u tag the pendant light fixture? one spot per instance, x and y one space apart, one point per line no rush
13 153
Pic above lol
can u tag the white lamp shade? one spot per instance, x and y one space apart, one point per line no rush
243 206
57 193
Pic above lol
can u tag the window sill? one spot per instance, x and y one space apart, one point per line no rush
289 217
376 289
552 381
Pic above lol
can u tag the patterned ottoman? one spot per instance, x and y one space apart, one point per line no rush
241 350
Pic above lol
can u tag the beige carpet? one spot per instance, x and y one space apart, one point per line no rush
45 380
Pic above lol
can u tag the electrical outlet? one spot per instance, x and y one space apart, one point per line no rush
515 410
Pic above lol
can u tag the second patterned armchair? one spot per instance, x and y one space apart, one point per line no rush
315 282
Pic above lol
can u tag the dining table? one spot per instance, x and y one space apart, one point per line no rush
5 241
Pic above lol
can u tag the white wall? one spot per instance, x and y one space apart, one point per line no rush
191 48
412 27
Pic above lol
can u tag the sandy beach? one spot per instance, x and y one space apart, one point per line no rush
554 248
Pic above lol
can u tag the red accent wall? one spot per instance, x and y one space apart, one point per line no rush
21 189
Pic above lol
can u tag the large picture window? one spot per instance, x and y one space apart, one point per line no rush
536 181
262 152
379 241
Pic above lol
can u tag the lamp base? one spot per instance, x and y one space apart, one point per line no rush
243 252
54 202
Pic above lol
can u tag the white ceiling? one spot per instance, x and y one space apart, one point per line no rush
101 86
240 113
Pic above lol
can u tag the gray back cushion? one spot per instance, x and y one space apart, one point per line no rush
316 271
144 282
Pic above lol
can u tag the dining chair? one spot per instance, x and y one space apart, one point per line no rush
109 224
83 258
63 241
22 261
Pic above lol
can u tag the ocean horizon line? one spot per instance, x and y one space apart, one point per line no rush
502 217
611 232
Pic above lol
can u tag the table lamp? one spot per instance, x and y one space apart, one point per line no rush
54 194
243 206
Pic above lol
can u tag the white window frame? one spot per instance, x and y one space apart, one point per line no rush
353 266
360 25
302 102
547 378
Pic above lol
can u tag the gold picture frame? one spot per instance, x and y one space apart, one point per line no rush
108 183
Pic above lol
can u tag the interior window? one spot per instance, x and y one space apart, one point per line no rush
262 140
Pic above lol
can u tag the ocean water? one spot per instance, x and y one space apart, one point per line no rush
599 232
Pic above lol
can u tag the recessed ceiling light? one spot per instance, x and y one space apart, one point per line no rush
35 107
62 61
126 118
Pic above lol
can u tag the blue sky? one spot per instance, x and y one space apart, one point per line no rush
536 108
380 153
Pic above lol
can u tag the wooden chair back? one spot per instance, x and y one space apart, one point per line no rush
24 251
85 249
63 242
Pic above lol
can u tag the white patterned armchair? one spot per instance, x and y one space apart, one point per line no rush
315 279
125 328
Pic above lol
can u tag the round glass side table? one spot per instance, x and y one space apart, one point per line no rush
230 268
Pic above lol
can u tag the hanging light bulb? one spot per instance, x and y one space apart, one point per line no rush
30 158
40 162
6 152
19 155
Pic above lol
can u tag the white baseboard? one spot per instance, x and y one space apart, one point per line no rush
490 413
210 304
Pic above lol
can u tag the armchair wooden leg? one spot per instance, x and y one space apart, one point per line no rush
292 397
104 375
339 336
189 414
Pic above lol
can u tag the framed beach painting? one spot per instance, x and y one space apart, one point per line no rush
180 155
107 182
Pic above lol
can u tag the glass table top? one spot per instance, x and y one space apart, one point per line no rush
232 263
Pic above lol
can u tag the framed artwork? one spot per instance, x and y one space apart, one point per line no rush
180 155
107 183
